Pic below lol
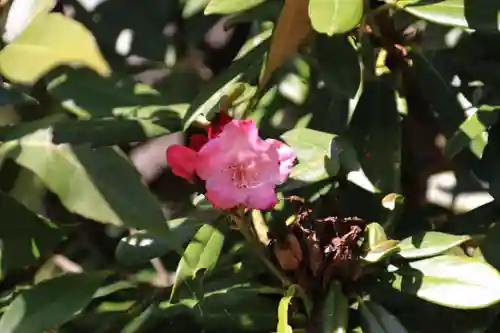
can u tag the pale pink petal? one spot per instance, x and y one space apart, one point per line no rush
262 197
211 157
243 134
286 157
182 160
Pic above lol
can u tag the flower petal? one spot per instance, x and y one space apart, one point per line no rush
218 124
286 157
262 197
222 194
197 141
182 160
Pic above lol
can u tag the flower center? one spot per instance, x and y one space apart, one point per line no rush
244 175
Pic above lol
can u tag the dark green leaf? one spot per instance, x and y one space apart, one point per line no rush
50 304
338 64
10 96
87 181
335 16
143 246
24 236
429 244
334 316
452 281
376 319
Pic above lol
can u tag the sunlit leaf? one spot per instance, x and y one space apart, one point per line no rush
230 6
335 16
429 243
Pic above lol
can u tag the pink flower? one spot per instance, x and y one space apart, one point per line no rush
238 167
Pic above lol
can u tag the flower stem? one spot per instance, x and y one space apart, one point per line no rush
257 247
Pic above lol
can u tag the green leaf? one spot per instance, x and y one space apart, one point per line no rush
335 16
381 251
285 301
479 15
334 315
344 74
50 304
475 125
429 244
192 7
452 281
201 254
230 6
24 236
210 96
314 151
376 319
87 180
375 234
49 41
143 246
9 95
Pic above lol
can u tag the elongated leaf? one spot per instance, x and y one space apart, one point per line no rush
21 13
230 6
49 41
381 251
334 316
201 254
344 73
452 281
429 244
376 319
143 246
24 236
335 16
314 151
283 326
11 96
292 27
210 96
50 303
480 15
86 181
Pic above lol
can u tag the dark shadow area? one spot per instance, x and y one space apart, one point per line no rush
482 14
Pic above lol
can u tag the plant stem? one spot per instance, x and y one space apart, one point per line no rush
257 246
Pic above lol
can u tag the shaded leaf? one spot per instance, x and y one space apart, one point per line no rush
335 16
230 6
209 97
86 181
334 316
11 96
376 319
143 246
24 236
49 41
429 243
343 74
314 152
480 15
50 304
201 254
452 281
292 27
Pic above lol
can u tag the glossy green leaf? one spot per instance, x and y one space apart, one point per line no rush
344 74
201 254
86 181
314 152
283 306
471 128
50 304
452 281
49 41
24 236
143 246
335 311
429 243
230 6
335 16
381 251
376 319
211 94
480 15
375 235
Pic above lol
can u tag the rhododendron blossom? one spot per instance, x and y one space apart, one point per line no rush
238 167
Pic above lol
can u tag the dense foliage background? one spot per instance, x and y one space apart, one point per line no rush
386 224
